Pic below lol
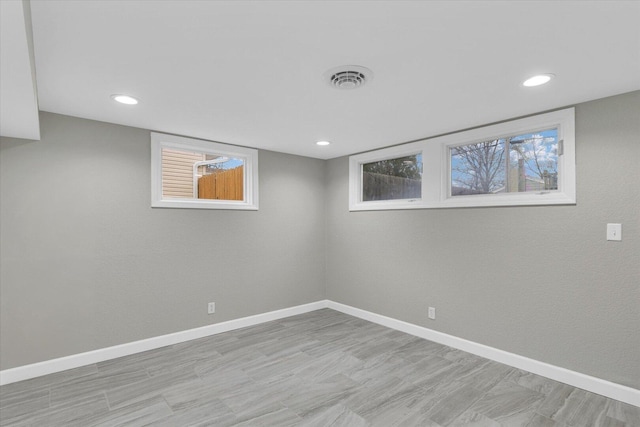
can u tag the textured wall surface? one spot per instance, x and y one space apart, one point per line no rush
541 282
86 263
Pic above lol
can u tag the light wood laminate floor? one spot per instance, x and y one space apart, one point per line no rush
322 368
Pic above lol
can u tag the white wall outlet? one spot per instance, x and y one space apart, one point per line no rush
432 313
211 307
614 231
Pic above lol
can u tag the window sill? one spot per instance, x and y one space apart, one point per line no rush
200 204
498 200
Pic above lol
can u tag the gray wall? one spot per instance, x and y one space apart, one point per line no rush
541 282
86 263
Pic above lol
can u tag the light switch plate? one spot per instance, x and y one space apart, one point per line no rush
614 231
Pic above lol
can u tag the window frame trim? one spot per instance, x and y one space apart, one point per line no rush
436 162
248 155
355 179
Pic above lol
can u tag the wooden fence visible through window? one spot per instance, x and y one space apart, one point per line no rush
377 186
222 185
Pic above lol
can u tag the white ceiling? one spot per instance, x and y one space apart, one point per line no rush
251 73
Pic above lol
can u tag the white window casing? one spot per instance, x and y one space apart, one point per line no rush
436 166
248 156
355 177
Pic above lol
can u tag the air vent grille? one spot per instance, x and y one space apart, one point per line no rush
347 79
348 76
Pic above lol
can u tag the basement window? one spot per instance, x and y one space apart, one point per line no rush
393 179
511 164
528 161
198 174
389 177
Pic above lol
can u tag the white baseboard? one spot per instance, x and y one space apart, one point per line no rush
596 385
26 372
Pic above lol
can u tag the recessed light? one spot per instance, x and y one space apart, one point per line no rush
125 99
538 80
323 143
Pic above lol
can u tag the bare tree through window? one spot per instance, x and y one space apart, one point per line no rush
485 167
478 168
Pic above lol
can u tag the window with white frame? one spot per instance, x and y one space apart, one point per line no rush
514 163
528 161
388 177
193 173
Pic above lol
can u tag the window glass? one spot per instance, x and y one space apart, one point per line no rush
485 167
392 179
478 168
197 175
220 178
190 173
533 161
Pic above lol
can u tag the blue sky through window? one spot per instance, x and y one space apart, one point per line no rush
481 168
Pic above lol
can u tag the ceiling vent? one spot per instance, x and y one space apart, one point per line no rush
348 76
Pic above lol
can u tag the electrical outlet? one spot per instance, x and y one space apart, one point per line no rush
432 313
614 231
211 308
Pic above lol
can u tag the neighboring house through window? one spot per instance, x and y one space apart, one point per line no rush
191 173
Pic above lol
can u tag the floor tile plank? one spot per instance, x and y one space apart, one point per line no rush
322 368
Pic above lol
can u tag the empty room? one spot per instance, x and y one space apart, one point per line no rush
319 213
